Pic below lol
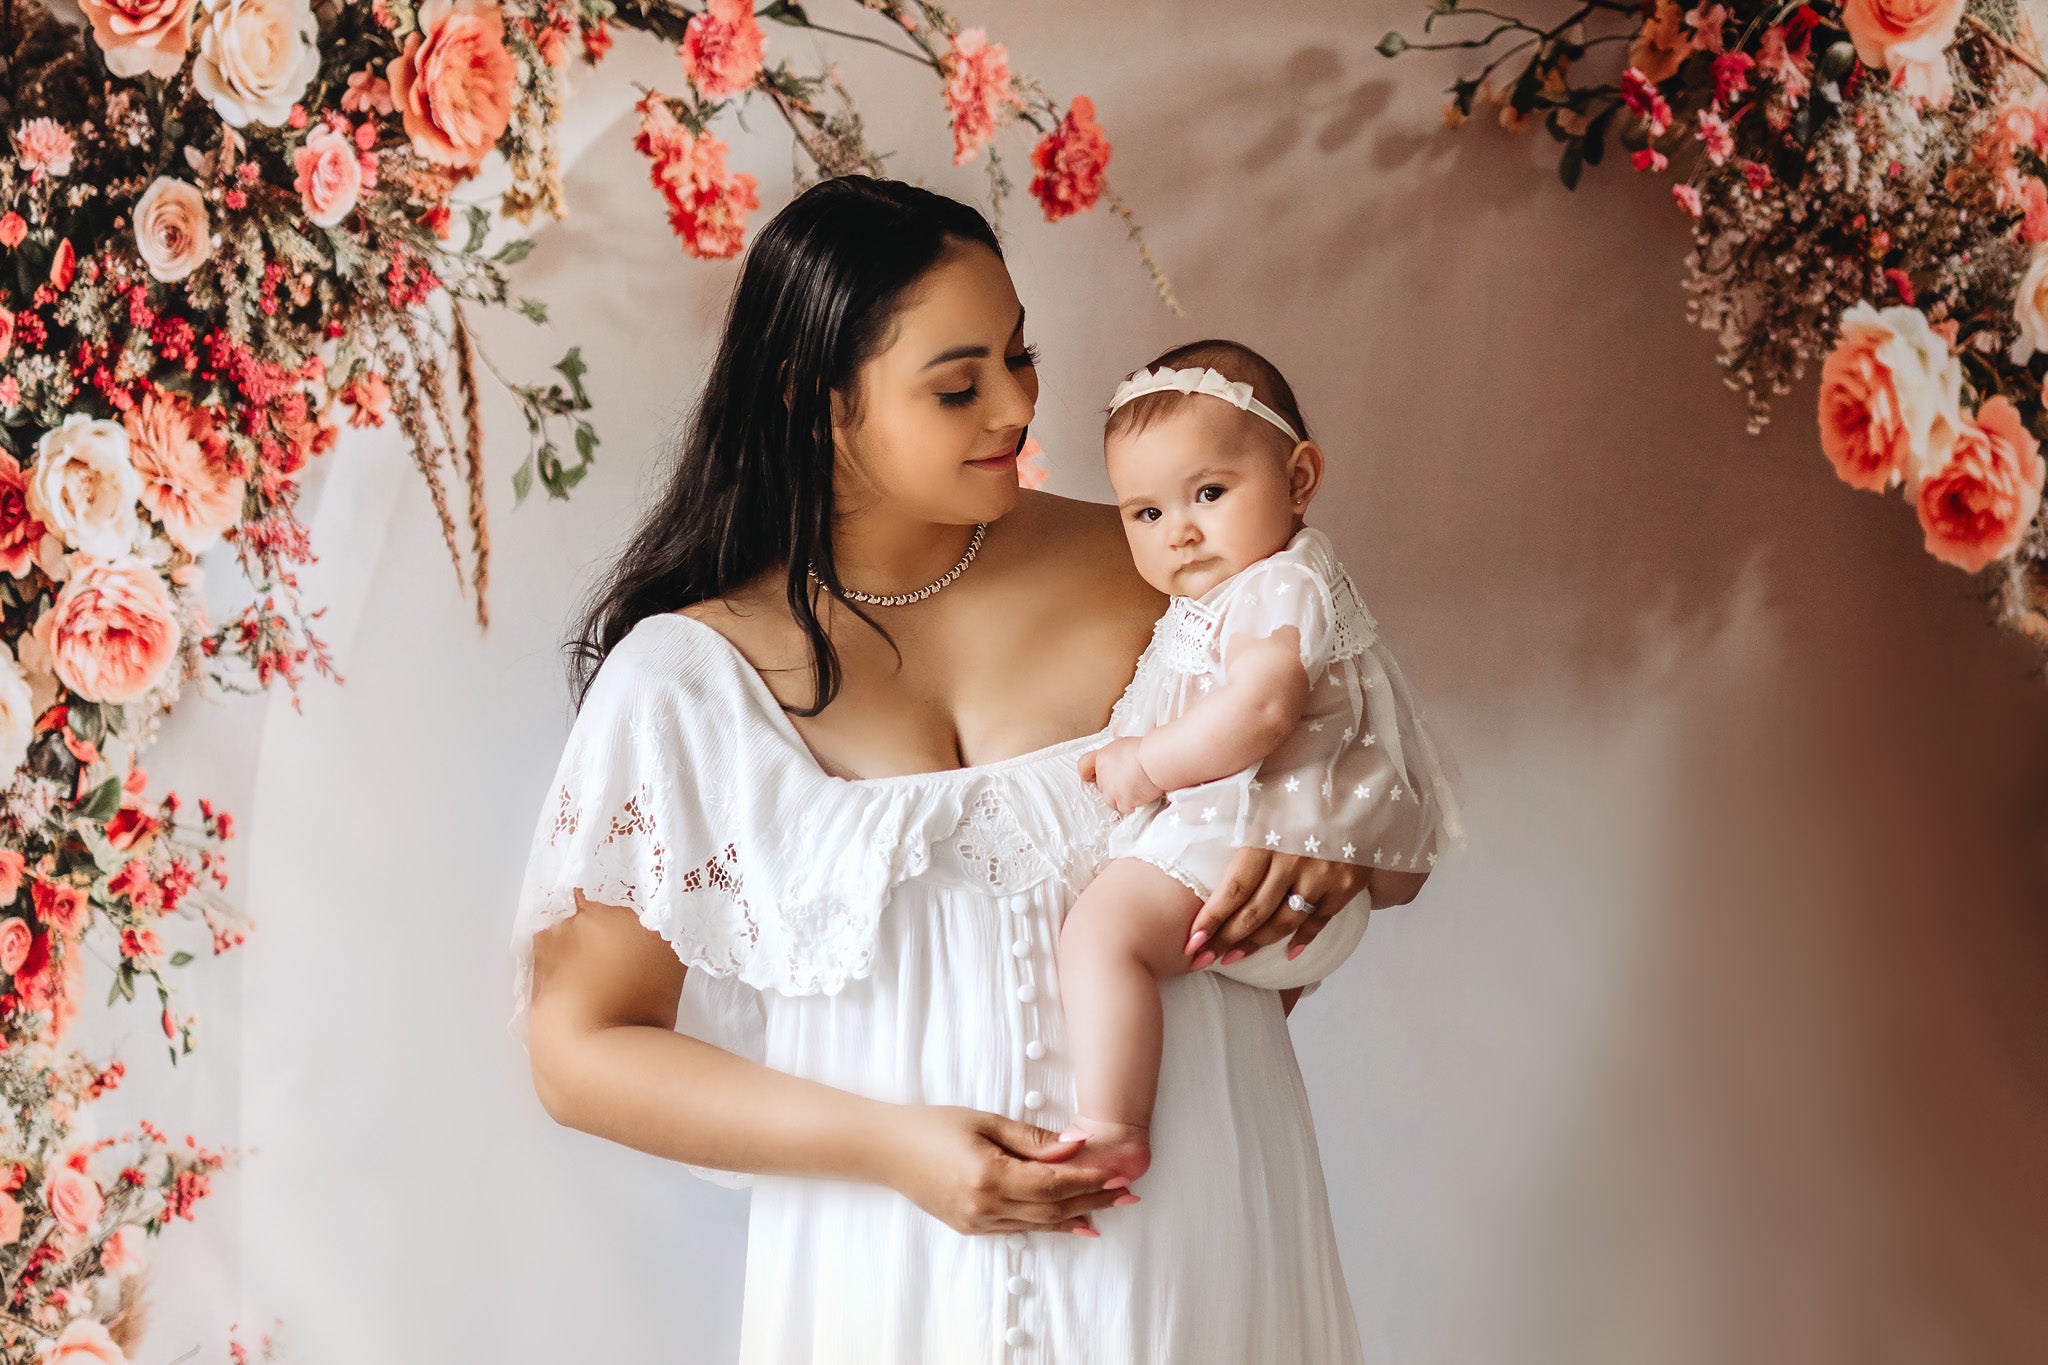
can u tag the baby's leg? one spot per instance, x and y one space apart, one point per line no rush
1123 935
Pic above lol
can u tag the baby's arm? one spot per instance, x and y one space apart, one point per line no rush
1227 729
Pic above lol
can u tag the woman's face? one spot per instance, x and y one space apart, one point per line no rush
939 418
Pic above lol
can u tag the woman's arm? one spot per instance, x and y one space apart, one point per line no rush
606 1059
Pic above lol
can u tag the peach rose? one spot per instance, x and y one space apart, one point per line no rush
84 1341
1890 398
1979 505
10 1220
330 175
113 630
453 81
140 36
1875 26
15 937
122 1254
17 716
84 487
172 230
256 58
186 471
74 1200
12 865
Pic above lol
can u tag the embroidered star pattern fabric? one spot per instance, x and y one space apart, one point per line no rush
1362 778
895 937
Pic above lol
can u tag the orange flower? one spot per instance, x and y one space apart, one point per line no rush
1979 505
722 48
453 81
141 35
1890 397
707 203
977 87
113 630
187 471
1070 161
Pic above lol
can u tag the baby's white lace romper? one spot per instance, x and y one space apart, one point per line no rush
1361 780
895 937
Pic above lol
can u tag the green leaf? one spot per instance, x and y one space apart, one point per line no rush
104 801
586 440
522 482
1392 45
125 983
180 958
514 251
479 228
785 12
1835 62
573 369
534 311
1596 135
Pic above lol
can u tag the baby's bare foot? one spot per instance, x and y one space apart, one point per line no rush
1125 1148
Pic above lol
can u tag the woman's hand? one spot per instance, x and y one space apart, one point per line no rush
1248 908
1117 774
978 1172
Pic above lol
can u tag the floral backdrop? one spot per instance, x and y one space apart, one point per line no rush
227 226
1864 181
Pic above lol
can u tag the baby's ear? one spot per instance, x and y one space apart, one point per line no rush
1304 473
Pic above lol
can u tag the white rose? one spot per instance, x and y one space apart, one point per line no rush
17 713
256 57
2030 307
1926 376
172 230
84 488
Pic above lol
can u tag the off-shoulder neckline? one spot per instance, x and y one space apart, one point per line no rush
751 679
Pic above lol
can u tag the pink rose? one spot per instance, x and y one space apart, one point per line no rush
722 48
141 35
12 864
62 906
172 232
1979 505
453 81
330 175
13 227
15 937
1890 398
122 1254
10 1220
187 471
84 1341
113 630
1876 25
74 1200
20 532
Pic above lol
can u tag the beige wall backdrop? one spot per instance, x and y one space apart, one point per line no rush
1726 1039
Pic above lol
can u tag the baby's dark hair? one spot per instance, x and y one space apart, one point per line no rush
1235 361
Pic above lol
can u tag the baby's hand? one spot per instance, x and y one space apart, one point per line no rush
1116 772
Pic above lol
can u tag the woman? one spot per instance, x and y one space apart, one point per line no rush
842 675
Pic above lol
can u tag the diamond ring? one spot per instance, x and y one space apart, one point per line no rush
1297 901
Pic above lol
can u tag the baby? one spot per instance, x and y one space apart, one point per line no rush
1265 711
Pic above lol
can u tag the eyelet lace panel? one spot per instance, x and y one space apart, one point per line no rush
990 850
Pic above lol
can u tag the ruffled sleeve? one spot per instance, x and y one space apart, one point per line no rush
679 798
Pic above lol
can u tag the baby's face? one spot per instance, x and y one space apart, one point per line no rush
1203 493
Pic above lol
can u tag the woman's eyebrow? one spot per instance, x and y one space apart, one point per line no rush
969 352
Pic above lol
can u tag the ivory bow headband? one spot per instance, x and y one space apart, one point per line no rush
1198 380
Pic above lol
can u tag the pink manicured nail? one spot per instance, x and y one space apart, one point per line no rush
1295 951
1116 1182
1204 960
1195 940
1233 955
1124 1199
1087 1232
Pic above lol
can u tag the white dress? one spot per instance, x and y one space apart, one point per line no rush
895 937
1362 779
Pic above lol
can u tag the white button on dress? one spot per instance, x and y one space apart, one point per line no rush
858 934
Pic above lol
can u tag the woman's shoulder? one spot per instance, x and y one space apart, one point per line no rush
1076 550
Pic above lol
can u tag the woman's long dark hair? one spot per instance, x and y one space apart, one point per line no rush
751 485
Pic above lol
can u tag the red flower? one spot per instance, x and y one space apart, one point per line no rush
63 265
1070 161
13 227
977 87
707 203
60 905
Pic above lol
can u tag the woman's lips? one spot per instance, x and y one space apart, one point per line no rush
1006 460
